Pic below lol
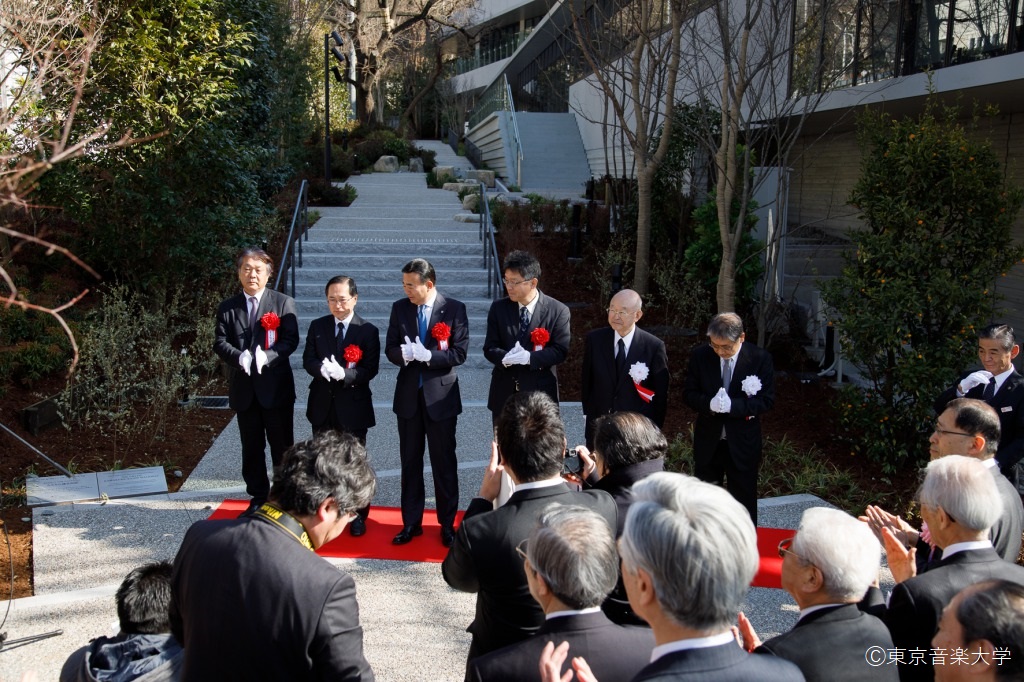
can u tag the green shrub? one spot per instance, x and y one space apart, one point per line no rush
703 257
322 194
433 181
32 347
920 280
429 157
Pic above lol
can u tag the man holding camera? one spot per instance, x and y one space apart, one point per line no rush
484 557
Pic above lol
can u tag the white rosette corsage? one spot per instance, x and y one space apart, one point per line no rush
638 372
751 385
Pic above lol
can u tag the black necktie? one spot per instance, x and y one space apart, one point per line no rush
340 334
524 320
990 390
253 304
620 357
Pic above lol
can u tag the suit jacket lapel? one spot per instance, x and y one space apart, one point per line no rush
436 313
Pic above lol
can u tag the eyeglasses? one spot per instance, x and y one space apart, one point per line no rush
724 347
339 301
784 548
521 550
619 313
512 285
943 432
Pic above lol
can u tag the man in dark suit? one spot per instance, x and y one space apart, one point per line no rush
428 337
570 565
625 369
524 360
250 600
530 442
342 354
959 502
987 620
966 427
689 553
827 567
256 332
1001 386
730 384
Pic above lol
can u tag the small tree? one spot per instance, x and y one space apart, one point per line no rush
921 279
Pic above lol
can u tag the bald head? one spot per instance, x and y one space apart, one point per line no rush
624 311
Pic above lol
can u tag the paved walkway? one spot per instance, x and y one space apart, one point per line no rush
414 624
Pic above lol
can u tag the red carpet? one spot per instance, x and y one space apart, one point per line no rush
385 522
382 525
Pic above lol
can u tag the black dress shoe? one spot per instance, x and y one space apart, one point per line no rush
357 527
447 536
407 534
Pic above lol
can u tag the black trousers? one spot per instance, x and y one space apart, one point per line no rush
414 436
258 426
738 472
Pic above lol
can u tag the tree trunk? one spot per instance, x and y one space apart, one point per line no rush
642 267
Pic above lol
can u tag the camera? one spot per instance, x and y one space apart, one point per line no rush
572 463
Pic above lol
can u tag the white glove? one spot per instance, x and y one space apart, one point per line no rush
975 379
721 403
407 351
336 371
245 361
261 360
419 351
517 355
325 369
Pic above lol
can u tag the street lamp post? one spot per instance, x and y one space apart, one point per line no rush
329 51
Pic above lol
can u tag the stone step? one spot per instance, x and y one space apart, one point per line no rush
391 262
391 290
370 307
313 275
466 234
380 246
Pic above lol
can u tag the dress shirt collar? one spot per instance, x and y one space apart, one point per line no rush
734 358
546 483
431 297
695 643
627 339
1000 378
258 295
964 546
532 305
572 612
817 607
990 462
346 321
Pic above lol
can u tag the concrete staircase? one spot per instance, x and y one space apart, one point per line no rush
554 159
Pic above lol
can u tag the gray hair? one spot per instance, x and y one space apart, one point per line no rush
963 487
977 418
331 464
573 549
994 610
1003 333
726 326
698 545
842 548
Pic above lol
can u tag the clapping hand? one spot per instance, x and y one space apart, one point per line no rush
245 361
337 372
721 403
975 379
746 634
419 351
325 369
261 360
407 351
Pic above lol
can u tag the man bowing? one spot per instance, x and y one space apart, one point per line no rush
342 354
428 337
527 335
625 369
256 332
730 384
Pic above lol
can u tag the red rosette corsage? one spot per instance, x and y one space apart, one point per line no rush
441 333
270 322
352 355
539 337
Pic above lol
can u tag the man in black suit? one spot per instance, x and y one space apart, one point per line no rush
689 552
530 442
256 332
428 337
250 600
966 427
524 360
570 565
342 354
1001 386
730 384
827 567
987 620
959 502
625 369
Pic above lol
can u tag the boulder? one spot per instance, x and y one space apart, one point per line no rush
459 186
471 202
386 164
484 176
415 165
444 173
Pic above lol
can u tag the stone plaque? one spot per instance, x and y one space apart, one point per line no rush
53 489
132 482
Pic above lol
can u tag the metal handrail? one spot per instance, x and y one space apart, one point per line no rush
287 260
494 288
518 155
